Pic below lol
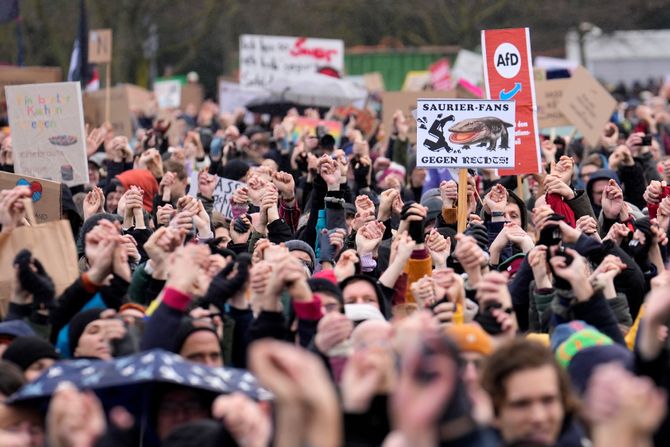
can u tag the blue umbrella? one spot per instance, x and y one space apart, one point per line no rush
121 378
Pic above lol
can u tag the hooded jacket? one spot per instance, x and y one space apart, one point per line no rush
600 174
384 303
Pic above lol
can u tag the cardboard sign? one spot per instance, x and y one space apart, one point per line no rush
508 75
123 99
549 94
587 105
100 46
416 81
463 133
365 119
223 193
232 95
317 127
26 75
168 93
47 123
265 58
192 93
46 195
406 101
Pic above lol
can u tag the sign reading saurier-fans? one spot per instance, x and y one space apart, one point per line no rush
461 133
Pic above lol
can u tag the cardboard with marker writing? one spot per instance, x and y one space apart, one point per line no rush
46 195
549 94
460 133
100 46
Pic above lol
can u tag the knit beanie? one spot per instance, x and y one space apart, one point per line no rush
186 329
296 244
78 324
579 341
24 351
585 362
470 338
563 331
326 286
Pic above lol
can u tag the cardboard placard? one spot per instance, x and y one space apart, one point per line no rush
508 75
460 133
587 105
549 94
223 193
265 58
310 126
100 46
416 81
191 93
47 123
124 99
406 101
46 194
10 75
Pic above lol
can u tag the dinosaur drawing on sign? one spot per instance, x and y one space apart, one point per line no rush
481 131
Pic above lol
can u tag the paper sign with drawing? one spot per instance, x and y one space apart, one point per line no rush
47 122
465 133
223 193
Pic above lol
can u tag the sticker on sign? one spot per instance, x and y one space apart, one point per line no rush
465 133
507 60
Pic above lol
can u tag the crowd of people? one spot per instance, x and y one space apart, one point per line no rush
340 282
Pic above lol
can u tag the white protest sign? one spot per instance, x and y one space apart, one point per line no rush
461 133
223 193
265 58
168 93
232 96
468 66
48 138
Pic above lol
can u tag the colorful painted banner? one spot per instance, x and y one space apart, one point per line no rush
313 126
460 133
47 123
508 75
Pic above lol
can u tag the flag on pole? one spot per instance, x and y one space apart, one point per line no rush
80 70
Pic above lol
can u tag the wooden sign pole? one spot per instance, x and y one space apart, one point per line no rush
108 81
462 199
519 186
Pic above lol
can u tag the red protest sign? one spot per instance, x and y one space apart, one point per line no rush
508 74
440 75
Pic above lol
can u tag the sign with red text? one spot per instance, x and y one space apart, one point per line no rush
265 58
463 133
508 75
48 138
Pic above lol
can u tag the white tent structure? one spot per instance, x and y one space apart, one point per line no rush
623 56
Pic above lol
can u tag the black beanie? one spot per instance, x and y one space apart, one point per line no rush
234 169
186 329
200 433
326 286
24 351
78 324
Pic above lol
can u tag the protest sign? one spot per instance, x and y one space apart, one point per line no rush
416 81
265 58
168 93
549 94
440 75
365 119
46 195
587 105
223 193
124 100
468 66
465 133
317 127
232 95
100 46
47 122
27 75
191 93
406 102
508 75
